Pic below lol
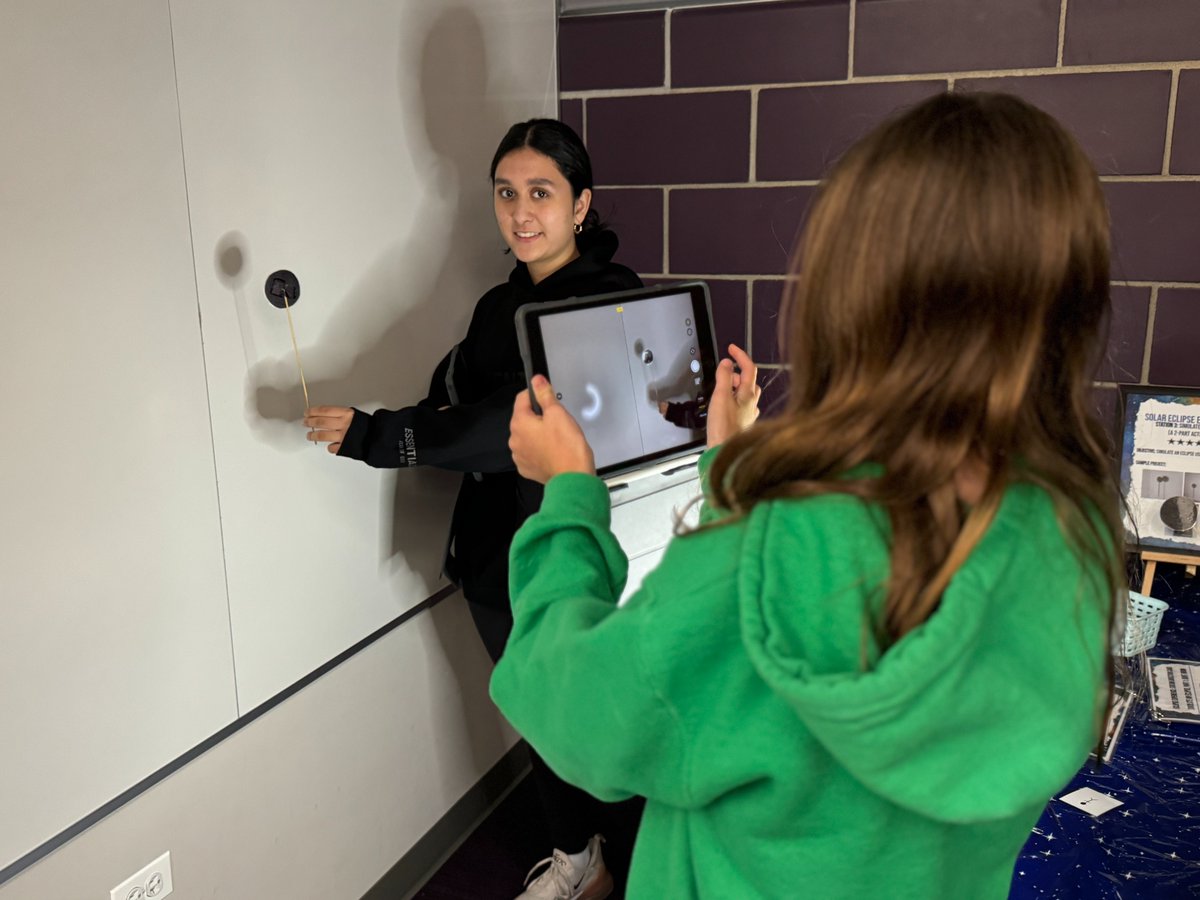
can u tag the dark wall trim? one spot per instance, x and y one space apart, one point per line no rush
430 852
45 849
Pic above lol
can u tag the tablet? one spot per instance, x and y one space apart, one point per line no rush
635 369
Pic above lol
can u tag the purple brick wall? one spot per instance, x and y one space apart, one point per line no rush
709 128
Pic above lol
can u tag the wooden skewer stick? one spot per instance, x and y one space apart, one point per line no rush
296 347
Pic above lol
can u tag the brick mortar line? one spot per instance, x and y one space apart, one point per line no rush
816 182
1062 31
1170 285
749 348
850 49
1097 69
1171 104
678 277
712 184
749 301
1149 345
753 177
1149 179
667 48
666 229
751 277
762 276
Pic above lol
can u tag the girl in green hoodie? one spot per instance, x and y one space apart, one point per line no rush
885 646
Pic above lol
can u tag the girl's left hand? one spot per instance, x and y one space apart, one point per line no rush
550 444
734 404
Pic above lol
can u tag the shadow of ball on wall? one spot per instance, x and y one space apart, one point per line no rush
1179 514
231 259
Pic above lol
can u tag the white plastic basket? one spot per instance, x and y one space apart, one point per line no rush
1141 624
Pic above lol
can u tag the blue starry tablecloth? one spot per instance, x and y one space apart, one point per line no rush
1150 846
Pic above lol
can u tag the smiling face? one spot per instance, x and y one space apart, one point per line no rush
537 212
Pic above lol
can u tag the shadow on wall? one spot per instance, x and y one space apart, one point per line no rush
364 356
446 256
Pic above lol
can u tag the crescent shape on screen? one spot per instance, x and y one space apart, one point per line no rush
592 410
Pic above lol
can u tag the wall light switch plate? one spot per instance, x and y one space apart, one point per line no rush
151 883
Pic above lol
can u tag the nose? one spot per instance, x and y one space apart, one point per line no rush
522 212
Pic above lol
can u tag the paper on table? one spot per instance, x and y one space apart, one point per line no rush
1091 802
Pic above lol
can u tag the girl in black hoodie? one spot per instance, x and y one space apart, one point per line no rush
542 180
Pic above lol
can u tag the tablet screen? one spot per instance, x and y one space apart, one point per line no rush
635 371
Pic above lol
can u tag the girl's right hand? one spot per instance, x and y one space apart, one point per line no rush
328 423
734 404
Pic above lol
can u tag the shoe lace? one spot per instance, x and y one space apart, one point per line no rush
553 875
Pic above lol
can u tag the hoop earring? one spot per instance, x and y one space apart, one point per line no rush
578 228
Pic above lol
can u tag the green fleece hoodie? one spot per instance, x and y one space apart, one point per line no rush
728 692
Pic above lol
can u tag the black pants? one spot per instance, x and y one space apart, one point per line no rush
571 815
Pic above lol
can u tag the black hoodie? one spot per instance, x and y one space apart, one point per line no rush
462 424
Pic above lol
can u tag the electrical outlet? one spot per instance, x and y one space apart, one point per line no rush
151 883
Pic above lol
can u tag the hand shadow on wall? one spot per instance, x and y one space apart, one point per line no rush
425 285
671 382
415 288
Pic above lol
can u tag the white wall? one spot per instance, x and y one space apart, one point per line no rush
348 143
115 652
172 553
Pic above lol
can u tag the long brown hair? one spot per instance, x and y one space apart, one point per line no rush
948 298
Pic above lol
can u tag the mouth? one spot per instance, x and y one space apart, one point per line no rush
525 236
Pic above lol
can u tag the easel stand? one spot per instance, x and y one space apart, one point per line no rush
1151 559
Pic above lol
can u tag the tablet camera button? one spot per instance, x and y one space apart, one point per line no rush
689 332
695 365
687 322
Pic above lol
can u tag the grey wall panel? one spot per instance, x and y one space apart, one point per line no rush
139 215
114 633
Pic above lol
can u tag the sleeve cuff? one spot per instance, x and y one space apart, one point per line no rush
575 495
356 436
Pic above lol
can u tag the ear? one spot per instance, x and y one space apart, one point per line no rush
582 204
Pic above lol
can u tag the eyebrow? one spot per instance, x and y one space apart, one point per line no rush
537 181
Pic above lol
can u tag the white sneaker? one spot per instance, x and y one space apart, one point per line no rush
563 881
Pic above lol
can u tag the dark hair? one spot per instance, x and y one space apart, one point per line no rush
560 143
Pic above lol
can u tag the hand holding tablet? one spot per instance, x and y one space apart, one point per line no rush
734 404
550 443
634 369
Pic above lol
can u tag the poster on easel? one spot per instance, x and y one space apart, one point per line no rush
1160 467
